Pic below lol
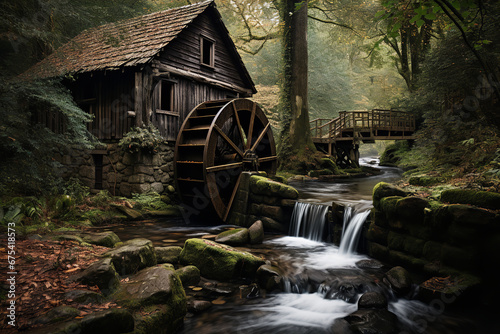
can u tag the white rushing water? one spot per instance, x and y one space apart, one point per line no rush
353 223
308 221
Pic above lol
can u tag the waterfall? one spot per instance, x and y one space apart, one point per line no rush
308 221
353 221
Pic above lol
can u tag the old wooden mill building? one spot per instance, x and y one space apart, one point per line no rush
177 70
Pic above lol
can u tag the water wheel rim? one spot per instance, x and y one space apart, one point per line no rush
246 119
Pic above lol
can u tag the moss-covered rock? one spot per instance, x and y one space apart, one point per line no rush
389 205
84 296
112 321
163 319
373 299
377 234
132 256
101 273
168 254
383 189
399 280
370 320
483 199
189 275
218 261
269 277
256 233
236 237
106 239
425 180
151 286
264 186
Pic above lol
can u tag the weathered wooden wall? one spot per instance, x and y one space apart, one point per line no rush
184 52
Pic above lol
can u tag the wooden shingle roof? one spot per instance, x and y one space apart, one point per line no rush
125 43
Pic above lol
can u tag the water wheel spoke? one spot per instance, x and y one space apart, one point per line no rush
228 140
233 195
238 123
218 168
266 159
250 127
262 134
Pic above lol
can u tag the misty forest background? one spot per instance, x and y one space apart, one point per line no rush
437 59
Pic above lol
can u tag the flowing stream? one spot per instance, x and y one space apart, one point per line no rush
323 282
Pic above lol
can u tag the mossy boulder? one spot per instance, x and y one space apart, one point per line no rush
388 205
373 299
112 321
236 237
452 289
168 254
383 189
84 296
218 261
264 186
269 277
101 273
483 199
189 275
425 180
151 286
373 321
330 165
159 319
399 279
132 256
106 239
256 232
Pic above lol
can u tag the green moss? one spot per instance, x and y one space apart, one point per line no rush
219 261
330 165
483 199
425 180
263 186
389 205
383 189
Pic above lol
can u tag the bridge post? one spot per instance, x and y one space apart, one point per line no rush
347 153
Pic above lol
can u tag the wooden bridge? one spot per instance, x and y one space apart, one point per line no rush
341 136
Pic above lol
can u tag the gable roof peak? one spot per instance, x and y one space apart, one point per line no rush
129 42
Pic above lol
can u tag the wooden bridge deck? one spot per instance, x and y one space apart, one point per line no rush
363 126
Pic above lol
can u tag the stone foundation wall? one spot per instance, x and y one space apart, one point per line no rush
260 198
123 173
431 237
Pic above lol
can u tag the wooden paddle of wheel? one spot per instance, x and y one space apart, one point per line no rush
216 143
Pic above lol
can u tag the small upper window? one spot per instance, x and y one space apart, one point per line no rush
207 48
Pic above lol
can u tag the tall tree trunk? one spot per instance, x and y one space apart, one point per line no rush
295 138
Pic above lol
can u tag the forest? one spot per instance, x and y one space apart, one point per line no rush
437 60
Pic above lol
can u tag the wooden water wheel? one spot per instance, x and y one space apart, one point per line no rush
216 143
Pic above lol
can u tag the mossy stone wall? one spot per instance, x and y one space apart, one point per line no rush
123 173
432 237
260 198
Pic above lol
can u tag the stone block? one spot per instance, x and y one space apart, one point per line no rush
158 187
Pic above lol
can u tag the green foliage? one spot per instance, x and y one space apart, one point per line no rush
27 149
102 199
74 188
151 201
145 139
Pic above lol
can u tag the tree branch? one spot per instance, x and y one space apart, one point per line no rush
333 22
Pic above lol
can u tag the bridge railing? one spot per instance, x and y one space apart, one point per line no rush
362 120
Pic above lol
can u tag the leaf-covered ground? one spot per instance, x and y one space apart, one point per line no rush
43 269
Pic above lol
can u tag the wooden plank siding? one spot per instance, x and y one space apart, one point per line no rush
184 52
108 97
187 95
